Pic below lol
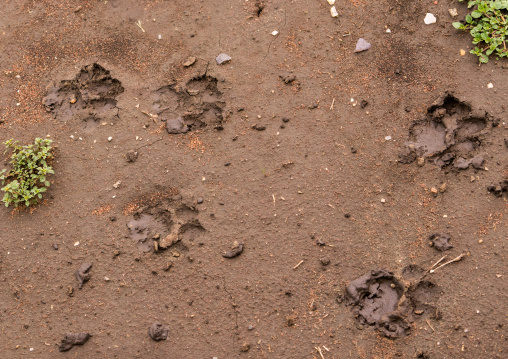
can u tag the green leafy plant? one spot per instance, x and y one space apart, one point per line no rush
25 182
488 24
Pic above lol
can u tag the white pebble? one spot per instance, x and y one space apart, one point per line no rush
331 2
76 244
383 200
388 31
388 138
275 32
429 19
490 85
72 137
110 138
160 36
333 12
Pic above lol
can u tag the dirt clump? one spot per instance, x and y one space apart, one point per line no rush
72 339
440 241
83 274
158 332
499 188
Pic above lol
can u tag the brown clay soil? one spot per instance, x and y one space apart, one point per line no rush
285 152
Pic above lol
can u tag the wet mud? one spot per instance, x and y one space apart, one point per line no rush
375 300
451 133
380 300
164 224
195 105
90 97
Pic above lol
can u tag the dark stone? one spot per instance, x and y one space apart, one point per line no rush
131 156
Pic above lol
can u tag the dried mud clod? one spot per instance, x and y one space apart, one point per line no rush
90 96
72 339
451 133
163 224
83 274
375 299
499 188
158 332
195 105
440 241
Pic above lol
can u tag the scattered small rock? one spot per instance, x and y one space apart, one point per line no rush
429 19
235 251
333 12
190 61
72 339
131 156
285 119
55 247
434 191
83 275
324 261
222 59
158 332
290 319
245 347
199 200
362 45
420 161
259 127
443 188
453 12
363 103
440 241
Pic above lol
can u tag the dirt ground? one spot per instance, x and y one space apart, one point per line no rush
308 154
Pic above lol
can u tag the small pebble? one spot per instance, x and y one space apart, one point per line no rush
429 19
55 247
199 200
333 12
222 59
110 138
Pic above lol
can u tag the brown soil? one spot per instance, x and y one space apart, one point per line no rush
277 188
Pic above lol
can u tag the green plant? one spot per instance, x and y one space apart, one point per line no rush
488 24
26 181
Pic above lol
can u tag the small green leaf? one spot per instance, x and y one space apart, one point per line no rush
459 26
